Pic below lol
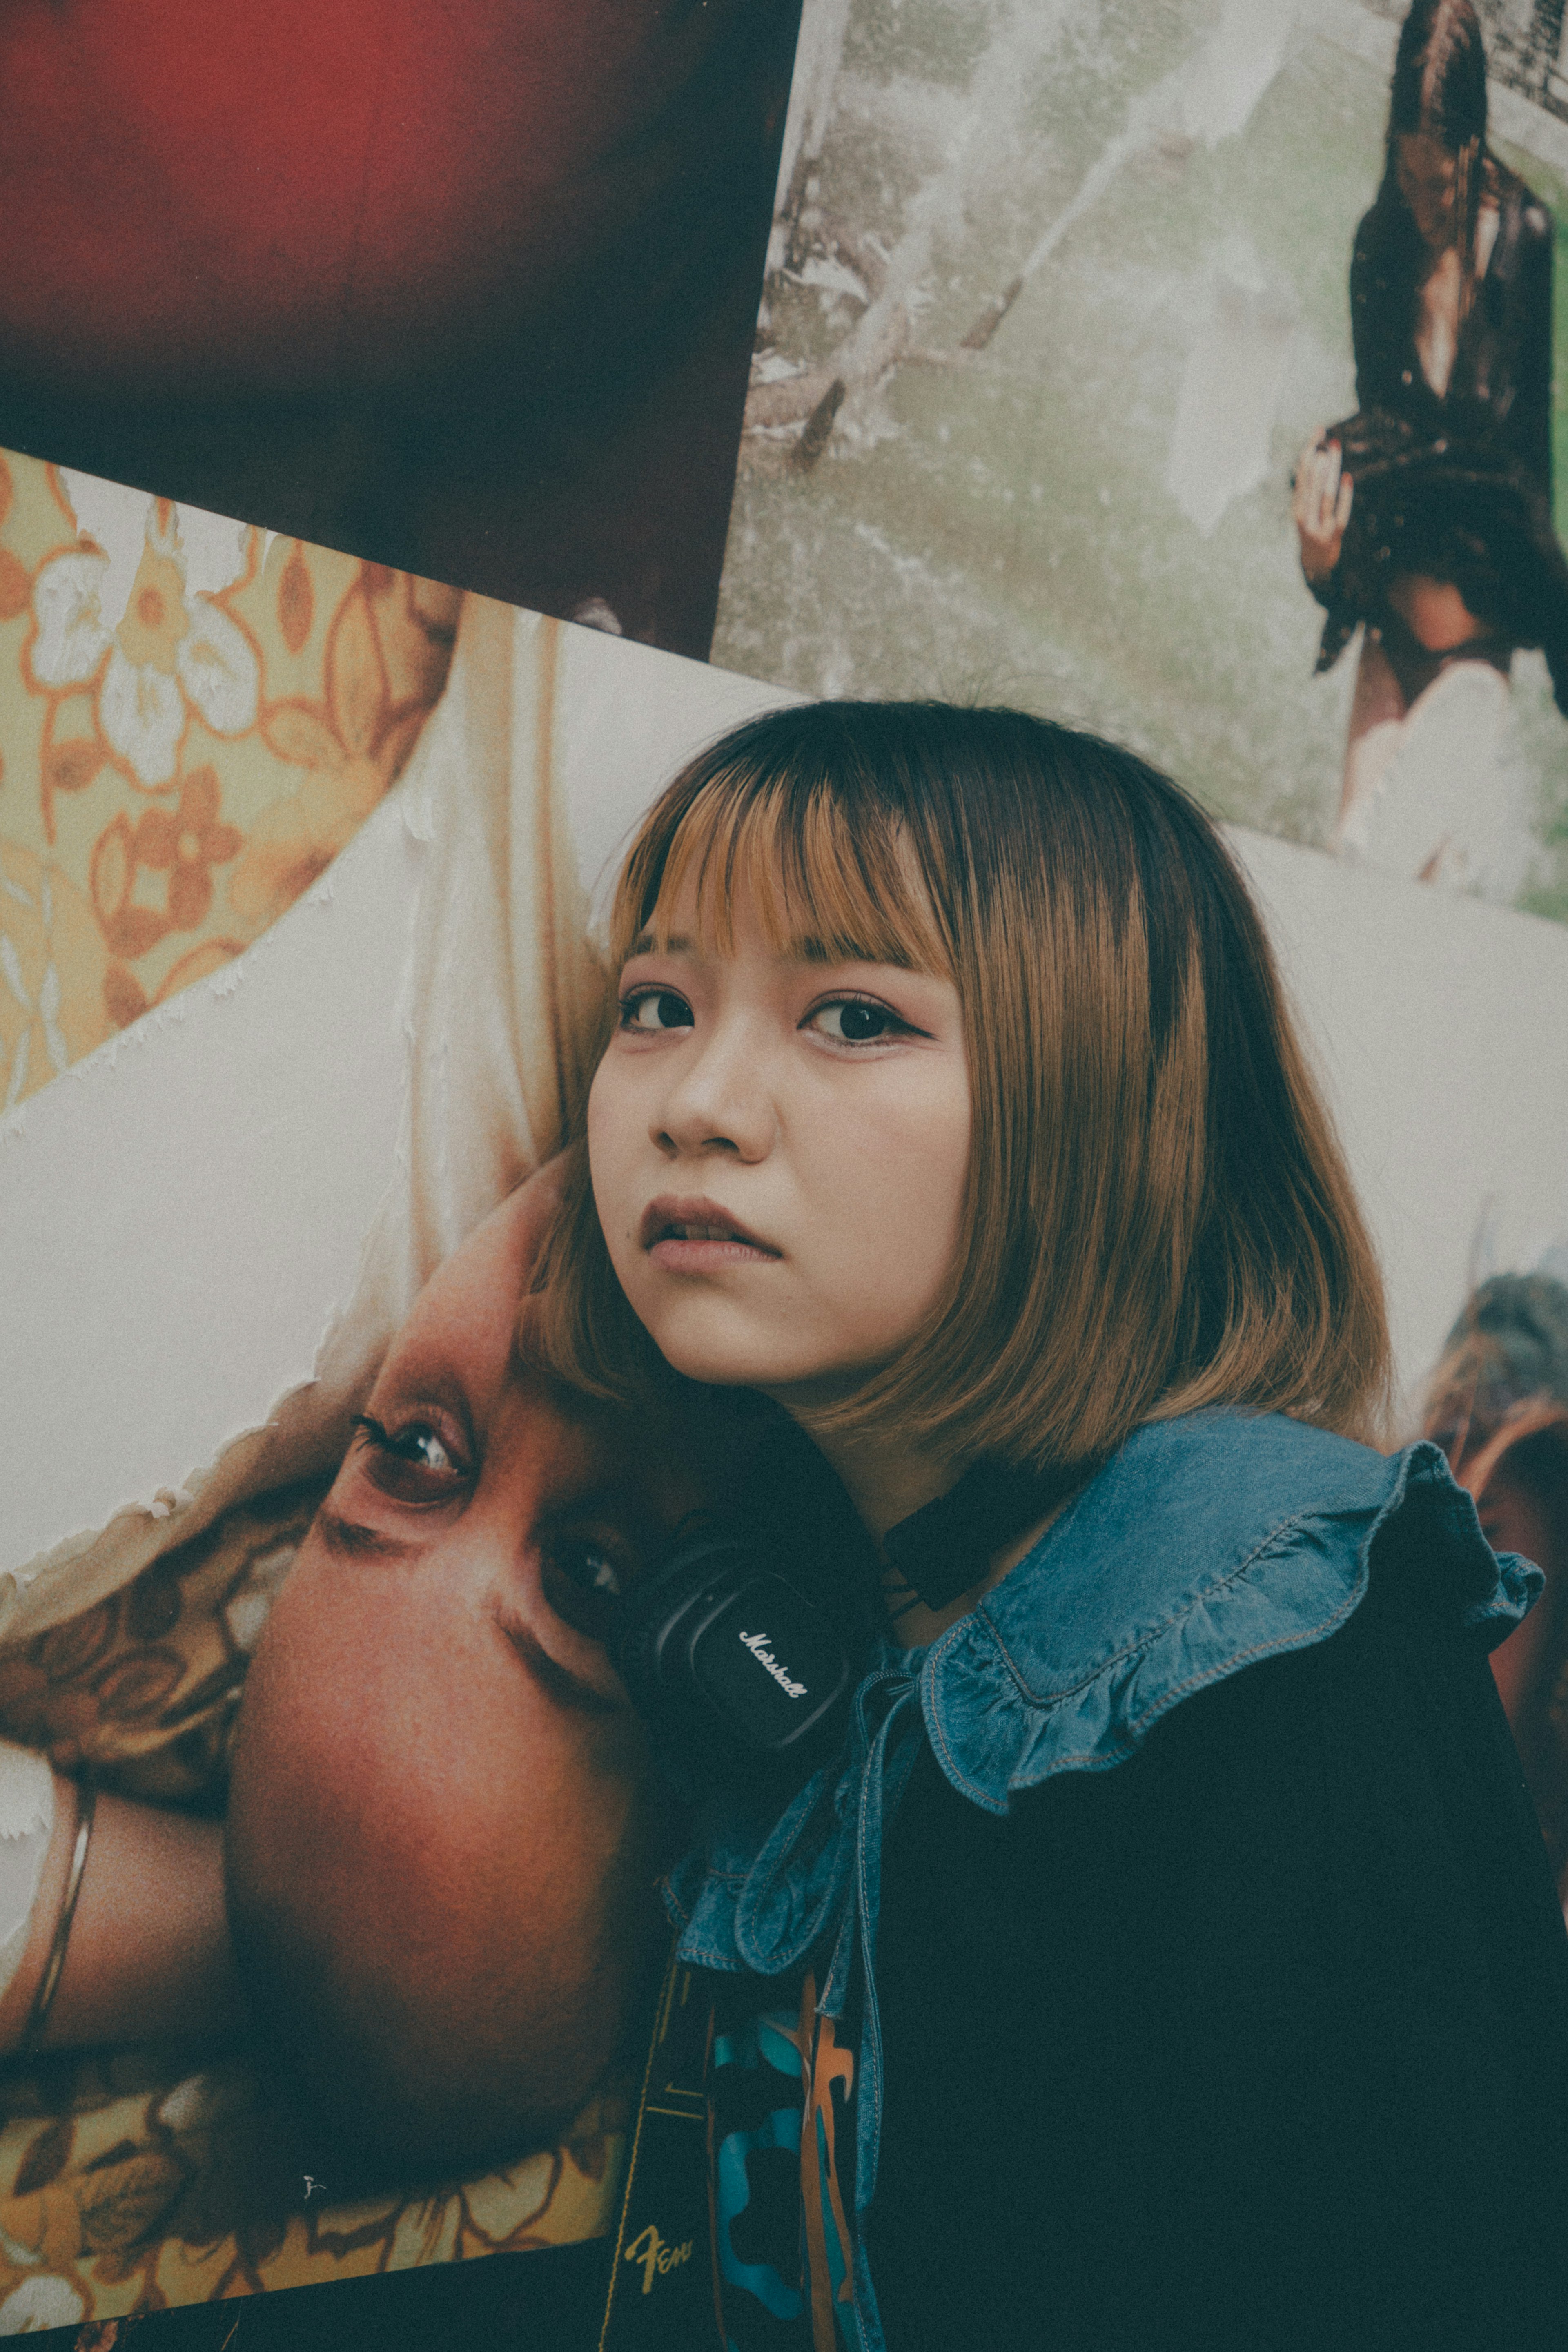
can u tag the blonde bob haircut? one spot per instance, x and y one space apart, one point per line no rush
1158 1216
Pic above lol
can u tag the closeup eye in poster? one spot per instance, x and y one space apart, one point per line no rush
369 441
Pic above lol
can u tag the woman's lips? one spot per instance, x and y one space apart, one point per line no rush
696 1236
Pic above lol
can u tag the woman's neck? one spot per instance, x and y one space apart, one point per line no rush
885 1482
888 1482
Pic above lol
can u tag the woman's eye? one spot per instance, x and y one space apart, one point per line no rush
853 1022
591 1571
654 1009
582 1583
413 1464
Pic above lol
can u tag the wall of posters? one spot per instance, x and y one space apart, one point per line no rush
359 549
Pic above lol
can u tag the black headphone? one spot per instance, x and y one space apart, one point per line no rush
739 1671
742 1644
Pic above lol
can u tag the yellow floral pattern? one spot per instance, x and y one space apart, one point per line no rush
174 775
127 2186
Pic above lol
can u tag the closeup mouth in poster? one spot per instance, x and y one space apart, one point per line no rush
421 439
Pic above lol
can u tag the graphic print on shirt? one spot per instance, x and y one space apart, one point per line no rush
781 2090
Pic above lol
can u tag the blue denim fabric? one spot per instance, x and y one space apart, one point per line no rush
1207 1544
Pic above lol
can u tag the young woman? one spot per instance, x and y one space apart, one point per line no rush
1428 516
1166 1954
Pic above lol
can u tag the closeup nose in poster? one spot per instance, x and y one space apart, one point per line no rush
1072 1290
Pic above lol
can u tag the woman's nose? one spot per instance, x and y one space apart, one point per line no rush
718 1099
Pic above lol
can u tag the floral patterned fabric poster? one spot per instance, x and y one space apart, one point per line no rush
195 717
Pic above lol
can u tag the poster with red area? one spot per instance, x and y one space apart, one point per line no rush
469 292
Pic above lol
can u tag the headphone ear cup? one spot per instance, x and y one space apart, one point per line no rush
737 1673
657 1616
644 1614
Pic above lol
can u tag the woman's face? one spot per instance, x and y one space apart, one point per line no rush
779 1147
441 1841
1426 173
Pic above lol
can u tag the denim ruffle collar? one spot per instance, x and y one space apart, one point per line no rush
1207 1543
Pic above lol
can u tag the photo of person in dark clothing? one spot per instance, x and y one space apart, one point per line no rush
1425 519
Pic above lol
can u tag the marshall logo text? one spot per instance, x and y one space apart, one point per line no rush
757 1645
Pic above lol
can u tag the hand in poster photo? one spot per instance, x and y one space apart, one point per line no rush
1428 516
470 293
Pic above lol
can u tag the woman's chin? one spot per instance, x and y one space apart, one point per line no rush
799 1390
800 1367
738 1359
721 1367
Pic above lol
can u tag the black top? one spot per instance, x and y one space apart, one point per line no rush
1258 2040
1501 387
1457 486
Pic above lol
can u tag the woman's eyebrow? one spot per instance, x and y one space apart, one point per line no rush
352 1539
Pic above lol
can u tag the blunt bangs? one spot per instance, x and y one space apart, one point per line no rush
826 882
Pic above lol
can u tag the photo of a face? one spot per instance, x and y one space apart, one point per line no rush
442 1832
765 1123
443 1829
